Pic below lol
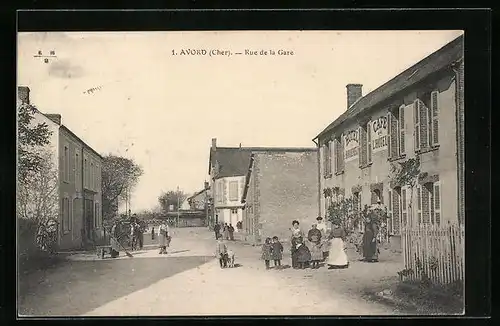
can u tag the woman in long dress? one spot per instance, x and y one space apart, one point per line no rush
314 237
337 257
296 235
370 252
115 247
162 237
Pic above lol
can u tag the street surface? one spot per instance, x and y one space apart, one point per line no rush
189 281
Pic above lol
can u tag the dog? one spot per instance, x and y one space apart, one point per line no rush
230 258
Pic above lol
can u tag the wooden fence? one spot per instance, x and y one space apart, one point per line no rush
435 253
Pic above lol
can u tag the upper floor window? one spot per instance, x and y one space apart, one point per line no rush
339 154
327 159
77 169
426 120
233 190
365 144
66 164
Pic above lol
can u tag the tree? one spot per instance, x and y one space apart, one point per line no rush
406 174
30 137
38 200
118 175
171 197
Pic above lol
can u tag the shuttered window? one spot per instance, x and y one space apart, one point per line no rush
390 227
435 118
327 162
419 204
369 141
416 122
404 206
437 202
396 211
402 145
389 135
363 148
339 154
233 190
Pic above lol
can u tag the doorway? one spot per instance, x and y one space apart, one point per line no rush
88 219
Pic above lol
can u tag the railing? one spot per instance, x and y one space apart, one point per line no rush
435 253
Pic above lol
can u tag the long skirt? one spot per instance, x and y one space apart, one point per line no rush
337 256
325 247
370 252
316 251
163 240
295 262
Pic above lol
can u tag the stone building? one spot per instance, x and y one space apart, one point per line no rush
78 183
420 112
281 185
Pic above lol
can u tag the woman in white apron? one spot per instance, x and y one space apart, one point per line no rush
337 258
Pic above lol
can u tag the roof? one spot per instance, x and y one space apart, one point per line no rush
197 193
233 161
439 60
84 143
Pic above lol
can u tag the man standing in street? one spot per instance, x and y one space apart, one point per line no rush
216 230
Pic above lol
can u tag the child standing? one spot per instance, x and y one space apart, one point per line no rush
277 251
266 252
221 252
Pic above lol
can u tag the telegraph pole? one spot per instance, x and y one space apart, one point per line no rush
178 204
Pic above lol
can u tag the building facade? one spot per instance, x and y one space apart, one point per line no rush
227 170
78 183
281 186
418 113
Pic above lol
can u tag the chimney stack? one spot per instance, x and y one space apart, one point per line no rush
354 92
214 143
23 94
54 117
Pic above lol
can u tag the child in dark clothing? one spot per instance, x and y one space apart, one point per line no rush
277 251
266 252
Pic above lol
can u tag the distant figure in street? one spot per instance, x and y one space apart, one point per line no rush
303 253
153 233
162 236
217 231
296 234
221 252
239 226
226 231
231 232
337 257
314 236
266 252
115 247
277 252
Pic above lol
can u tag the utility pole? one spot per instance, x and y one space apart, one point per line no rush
178 201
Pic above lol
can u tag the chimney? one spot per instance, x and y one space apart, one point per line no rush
54 117
23 94
354 92
214 143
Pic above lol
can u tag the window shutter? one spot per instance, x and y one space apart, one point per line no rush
336 157
389 135
437 202
323 158
396 222
363 148
419 204
329 157
416 122
402 145
404 207
224 191
424 125
333 155
390 227
342 154
369 142
435 117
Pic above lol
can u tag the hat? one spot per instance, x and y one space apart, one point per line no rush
319 218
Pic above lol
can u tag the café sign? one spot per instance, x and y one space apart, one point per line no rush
351 144
378 134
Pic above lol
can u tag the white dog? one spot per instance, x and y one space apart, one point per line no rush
230 258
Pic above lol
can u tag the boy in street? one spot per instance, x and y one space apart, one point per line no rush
221 252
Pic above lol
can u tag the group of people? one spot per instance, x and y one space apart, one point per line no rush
272 249
227 231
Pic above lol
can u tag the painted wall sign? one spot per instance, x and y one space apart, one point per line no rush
351 144
379 134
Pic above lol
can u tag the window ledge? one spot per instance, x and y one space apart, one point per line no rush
427 149
397 158
327 176
339 173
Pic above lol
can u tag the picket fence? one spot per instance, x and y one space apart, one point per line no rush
434 252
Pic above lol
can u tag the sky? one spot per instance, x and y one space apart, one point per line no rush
162 110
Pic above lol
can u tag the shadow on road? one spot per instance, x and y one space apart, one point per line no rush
77 287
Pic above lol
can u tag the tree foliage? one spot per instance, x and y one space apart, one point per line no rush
30 136
171 197
118 174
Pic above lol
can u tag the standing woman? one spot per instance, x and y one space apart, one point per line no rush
115 247
153 232
296 235
162 236
314 237
337 257
370 252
